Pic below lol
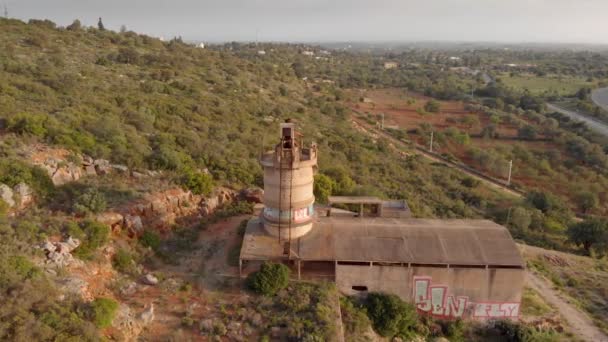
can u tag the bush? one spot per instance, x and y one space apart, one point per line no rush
122 261
150 239
323 188
356 322
432 106
96 235
103 311
198 182
390 316
90 201
13 172
270 279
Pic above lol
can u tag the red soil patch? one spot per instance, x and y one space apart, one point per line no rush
401 108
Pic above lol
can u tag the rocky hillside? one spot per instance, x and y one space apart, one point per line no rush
127 165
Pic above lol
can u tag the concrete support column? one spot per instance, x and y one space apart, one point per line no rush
299 269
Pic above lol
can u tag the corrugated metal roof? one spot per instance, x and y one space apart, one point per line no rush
419 241
391 240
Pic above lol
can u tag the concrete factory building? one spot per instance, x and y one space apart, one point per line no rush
448 268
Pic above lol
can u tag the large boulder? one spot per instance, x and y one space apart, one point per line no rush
254 195
23 195
6 195
102 166
149 279
134 225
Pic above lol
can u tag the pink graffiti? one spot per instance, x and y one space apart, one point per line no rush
434 300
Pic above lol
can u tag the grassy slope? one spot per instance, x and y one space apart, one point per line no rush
142 102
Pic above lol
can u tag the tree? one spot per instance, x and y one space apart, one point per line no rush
521 218
74 26
270 279
432 106
588 233
527 132
323 188
544 201
587 201
100 25
123 29
470 121
390 316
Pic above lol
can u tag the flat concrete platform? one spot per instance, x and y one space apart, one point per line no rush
392 240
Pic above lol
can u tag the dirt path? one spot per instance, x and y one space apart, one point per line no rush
581 324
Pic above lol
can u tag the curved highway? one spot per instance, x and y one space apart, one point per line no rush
594 124
600 97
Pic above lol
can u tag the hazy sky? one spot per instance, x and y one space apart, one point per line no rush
574 21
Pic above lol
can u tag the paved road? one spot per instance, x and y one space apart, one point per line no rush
596 125
492 182
600 97
581 324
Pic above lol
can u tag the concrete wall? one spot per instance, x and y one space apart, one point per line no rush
442 292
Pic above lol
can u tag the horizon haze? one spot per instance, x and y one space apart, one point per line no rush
517 21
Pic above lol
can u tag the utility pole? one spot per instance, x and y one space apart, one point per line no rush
5 11
510 169
431 147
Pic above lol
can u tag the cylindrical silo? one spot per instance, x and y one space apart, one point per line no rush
288 186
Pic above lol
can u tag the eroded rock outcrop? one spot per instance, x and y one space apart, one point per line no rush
64 166
60 253
160 210
23 195
254 195
6 195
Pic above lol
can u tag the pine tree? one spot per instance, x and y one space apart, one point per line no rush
100 25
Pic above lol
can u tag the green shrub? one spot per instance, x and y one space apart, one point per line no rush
28 124
122 261
323 188
13 172
432 106
150 239
354 317
23 266
90 201
96 235
390 315
198 182
234 209
103 311
270 279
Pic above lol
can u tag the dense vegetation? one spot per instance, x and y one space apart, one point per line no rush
202 116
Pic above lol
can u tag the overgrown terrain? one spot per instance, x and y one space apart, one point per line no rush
137 148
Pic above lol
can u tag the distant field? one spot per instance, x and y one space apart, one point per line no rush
539 85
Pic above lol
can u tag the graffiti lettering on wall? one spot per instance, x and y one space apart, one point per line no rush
434 300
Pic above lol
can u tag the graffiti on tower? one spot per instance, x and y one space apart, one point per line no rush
436 301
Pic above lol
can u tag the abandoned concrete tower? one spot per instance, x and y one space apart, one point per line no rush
447 268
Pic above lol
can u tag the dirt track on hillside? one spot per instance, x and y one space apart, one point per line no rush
582 325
